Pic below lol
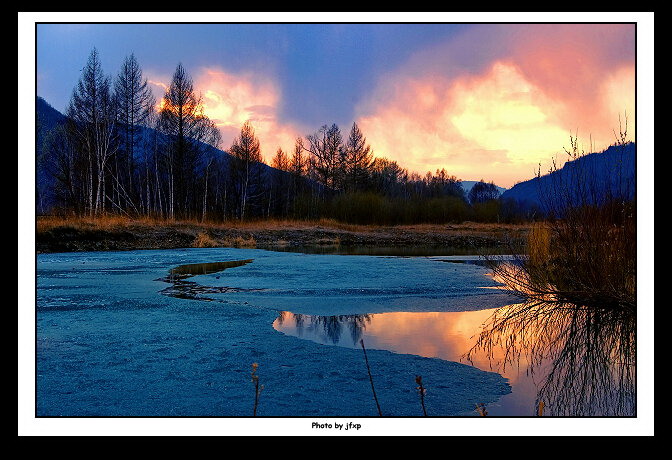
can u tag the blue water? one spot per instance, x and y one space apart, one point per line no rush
117 337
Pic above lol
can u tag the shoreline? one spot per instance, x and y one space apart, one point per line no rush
105 234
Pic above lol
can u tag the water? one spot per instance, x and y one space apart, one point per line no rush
175 333
445 335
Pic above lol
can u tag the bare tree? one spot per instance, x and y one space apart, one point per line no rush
358 159
187 133
298 162
482 192
91 111
325 147
134 103
245 170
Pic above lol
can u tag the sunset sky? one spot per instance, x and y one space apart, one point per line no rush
483 101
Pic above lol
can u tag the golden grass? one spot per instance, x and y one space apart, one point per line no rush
113 221
240 242
539 244
203 240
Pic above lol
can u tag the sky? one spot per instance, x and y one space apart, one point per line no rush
484 101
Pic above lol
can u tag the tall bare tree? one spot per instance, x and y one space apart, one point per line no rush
245 168
91 111
187 134
358 160
325 147
134 103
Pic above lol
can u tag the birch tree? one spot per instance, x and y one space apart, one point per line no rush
91 112
134 103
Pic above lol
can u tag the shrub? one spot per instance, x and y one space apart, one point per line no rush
203 240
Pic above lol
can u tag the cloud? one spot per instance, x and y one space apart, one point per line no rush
497 100
231 99
159 84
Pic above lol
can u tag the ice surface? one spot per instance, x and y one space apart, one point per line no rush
109 343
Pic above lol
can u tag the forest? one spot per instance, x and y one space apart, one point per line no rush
120 152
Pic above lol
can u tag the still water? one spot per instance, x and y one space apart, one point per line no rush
444 335
174 333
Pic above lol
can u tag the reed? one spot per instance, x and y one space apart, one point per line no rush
585 253
373 389
576 278
421 391
257 387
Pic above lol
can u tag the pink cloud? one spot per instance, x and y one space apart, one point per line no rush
231 99
499 99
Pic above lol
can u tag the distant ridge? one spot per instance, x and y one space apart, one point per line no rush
48 118
468 184
611 172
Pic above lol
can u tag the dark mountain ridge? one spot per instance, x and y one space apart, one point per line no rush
590 179
48 119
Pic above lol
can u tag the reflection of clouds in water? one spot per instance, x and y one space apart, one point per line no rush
591 354
444 335
582 361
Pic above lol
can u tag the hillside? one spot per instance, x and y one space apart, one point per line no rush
468 184
48 118
589 178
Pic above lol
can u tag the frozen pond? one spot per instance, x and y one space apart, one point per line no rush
445 335
175 333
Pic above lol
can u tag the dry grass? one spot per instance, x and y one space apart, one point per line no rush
203 240
290 224
469 228
240 242
539 244
112 221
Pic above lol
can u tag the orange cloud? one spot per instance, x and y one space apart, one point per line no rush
507 105
588 69
231 99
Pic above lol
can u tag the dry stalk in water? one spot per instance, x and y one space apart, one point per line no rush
421 391
257 387
480 408
370 378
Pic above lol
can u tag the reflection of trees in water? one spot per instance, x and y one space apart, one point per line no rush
331 326
588 354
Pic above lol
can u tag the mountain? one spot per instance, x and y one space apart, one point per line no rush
48 119
468 184
590 179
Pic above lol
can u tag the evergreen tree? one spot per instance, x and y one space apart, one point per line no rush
246 169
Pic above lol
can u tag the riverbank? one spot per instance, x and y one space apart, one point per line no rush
56 234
